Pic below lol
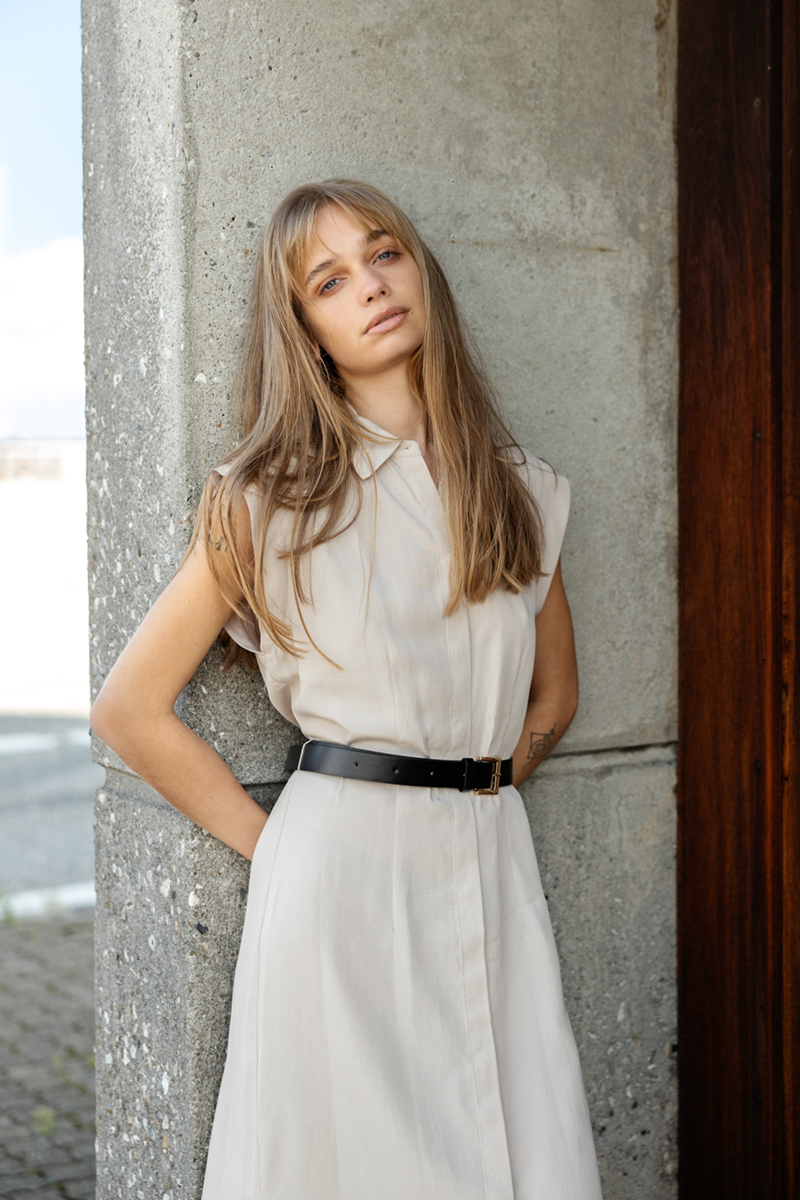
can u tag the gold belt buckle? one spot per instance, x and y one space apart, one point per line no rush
494 787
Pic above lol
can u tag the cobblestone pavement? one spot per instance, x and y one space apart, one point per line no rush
46 1059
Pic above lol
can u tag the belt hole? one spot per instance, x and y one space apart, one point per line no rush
396 770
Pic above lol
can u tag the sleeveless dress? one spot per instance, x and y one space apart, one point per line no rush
398 1030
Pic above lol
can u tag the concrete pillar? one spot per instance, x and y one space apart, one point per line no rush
533 145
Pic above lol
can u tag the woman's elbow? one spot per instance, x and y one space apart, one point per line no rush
569 703
114 719
105 717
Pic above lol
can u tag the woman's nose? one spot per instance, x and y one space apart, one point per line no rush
373 286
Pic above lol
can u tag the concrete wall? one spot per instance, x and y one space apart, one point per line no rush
532 142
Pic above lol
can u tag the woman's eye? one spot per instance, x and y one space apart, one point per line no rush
329 285
385 255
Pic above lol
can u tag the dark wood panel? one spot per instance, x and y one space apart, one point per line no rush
738 460
789 251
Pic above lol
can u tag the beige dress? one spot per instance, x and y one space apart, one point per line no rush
398 1029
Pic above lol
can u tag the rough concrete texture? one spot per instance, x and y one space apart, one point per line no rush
533 145
604 830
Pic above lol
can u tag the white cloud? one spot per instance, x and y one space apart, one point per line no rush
41 341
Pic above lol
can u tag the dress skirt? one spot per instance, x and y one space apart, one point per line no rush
398 1027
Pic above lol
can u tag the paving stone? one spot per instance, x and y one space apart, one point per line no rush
8 1166
82 1151
39 1193
18 1142
64 1172
46 1056
69 1135
80 1189
47 1158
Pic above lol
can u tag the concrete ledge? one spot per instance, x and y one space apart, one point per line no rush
592 761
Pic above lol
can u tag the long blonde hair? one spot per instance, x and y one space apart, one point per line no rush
297 434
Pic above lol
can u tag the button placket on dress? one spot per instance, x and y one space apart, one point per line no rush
497 1178
489 1107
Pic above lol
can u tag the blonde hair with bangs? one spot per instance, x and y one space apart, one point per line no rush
297 434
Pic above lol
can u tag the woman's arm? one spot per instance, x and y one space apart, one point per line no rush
554 689
134 712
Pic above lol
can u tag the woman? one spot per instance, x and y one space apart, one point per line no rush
391 559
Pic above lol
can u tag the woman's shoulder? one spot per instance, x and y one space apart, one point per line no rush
545 483
551 493
224 467
249 487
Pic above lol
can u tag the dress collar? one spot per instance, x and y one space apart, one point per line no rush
374 449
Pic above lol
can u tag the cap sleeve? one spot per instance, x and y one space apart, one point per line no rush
244 630
551 492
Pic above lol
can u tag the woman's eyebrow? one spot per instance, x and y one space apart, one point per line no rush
374 235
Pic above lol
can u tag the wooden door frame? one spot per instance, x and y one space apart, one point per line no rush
739 519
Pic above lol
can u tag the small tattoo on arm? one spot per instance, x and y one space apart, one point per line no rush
540 744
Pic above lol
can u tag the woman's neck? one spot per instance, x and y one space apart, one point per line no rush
390 403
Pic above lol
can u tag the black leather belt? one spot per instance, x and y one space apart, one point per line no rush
484 776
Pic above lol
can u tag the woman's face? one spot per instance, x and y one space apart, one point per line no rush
363 296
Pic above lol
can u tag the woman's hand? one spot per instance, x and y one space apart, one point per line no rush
134 712
554 689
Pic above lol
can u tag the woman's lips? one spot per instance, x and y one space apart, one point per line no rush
390 318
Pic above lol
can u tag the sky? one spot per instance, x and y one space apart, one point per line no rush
41 253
